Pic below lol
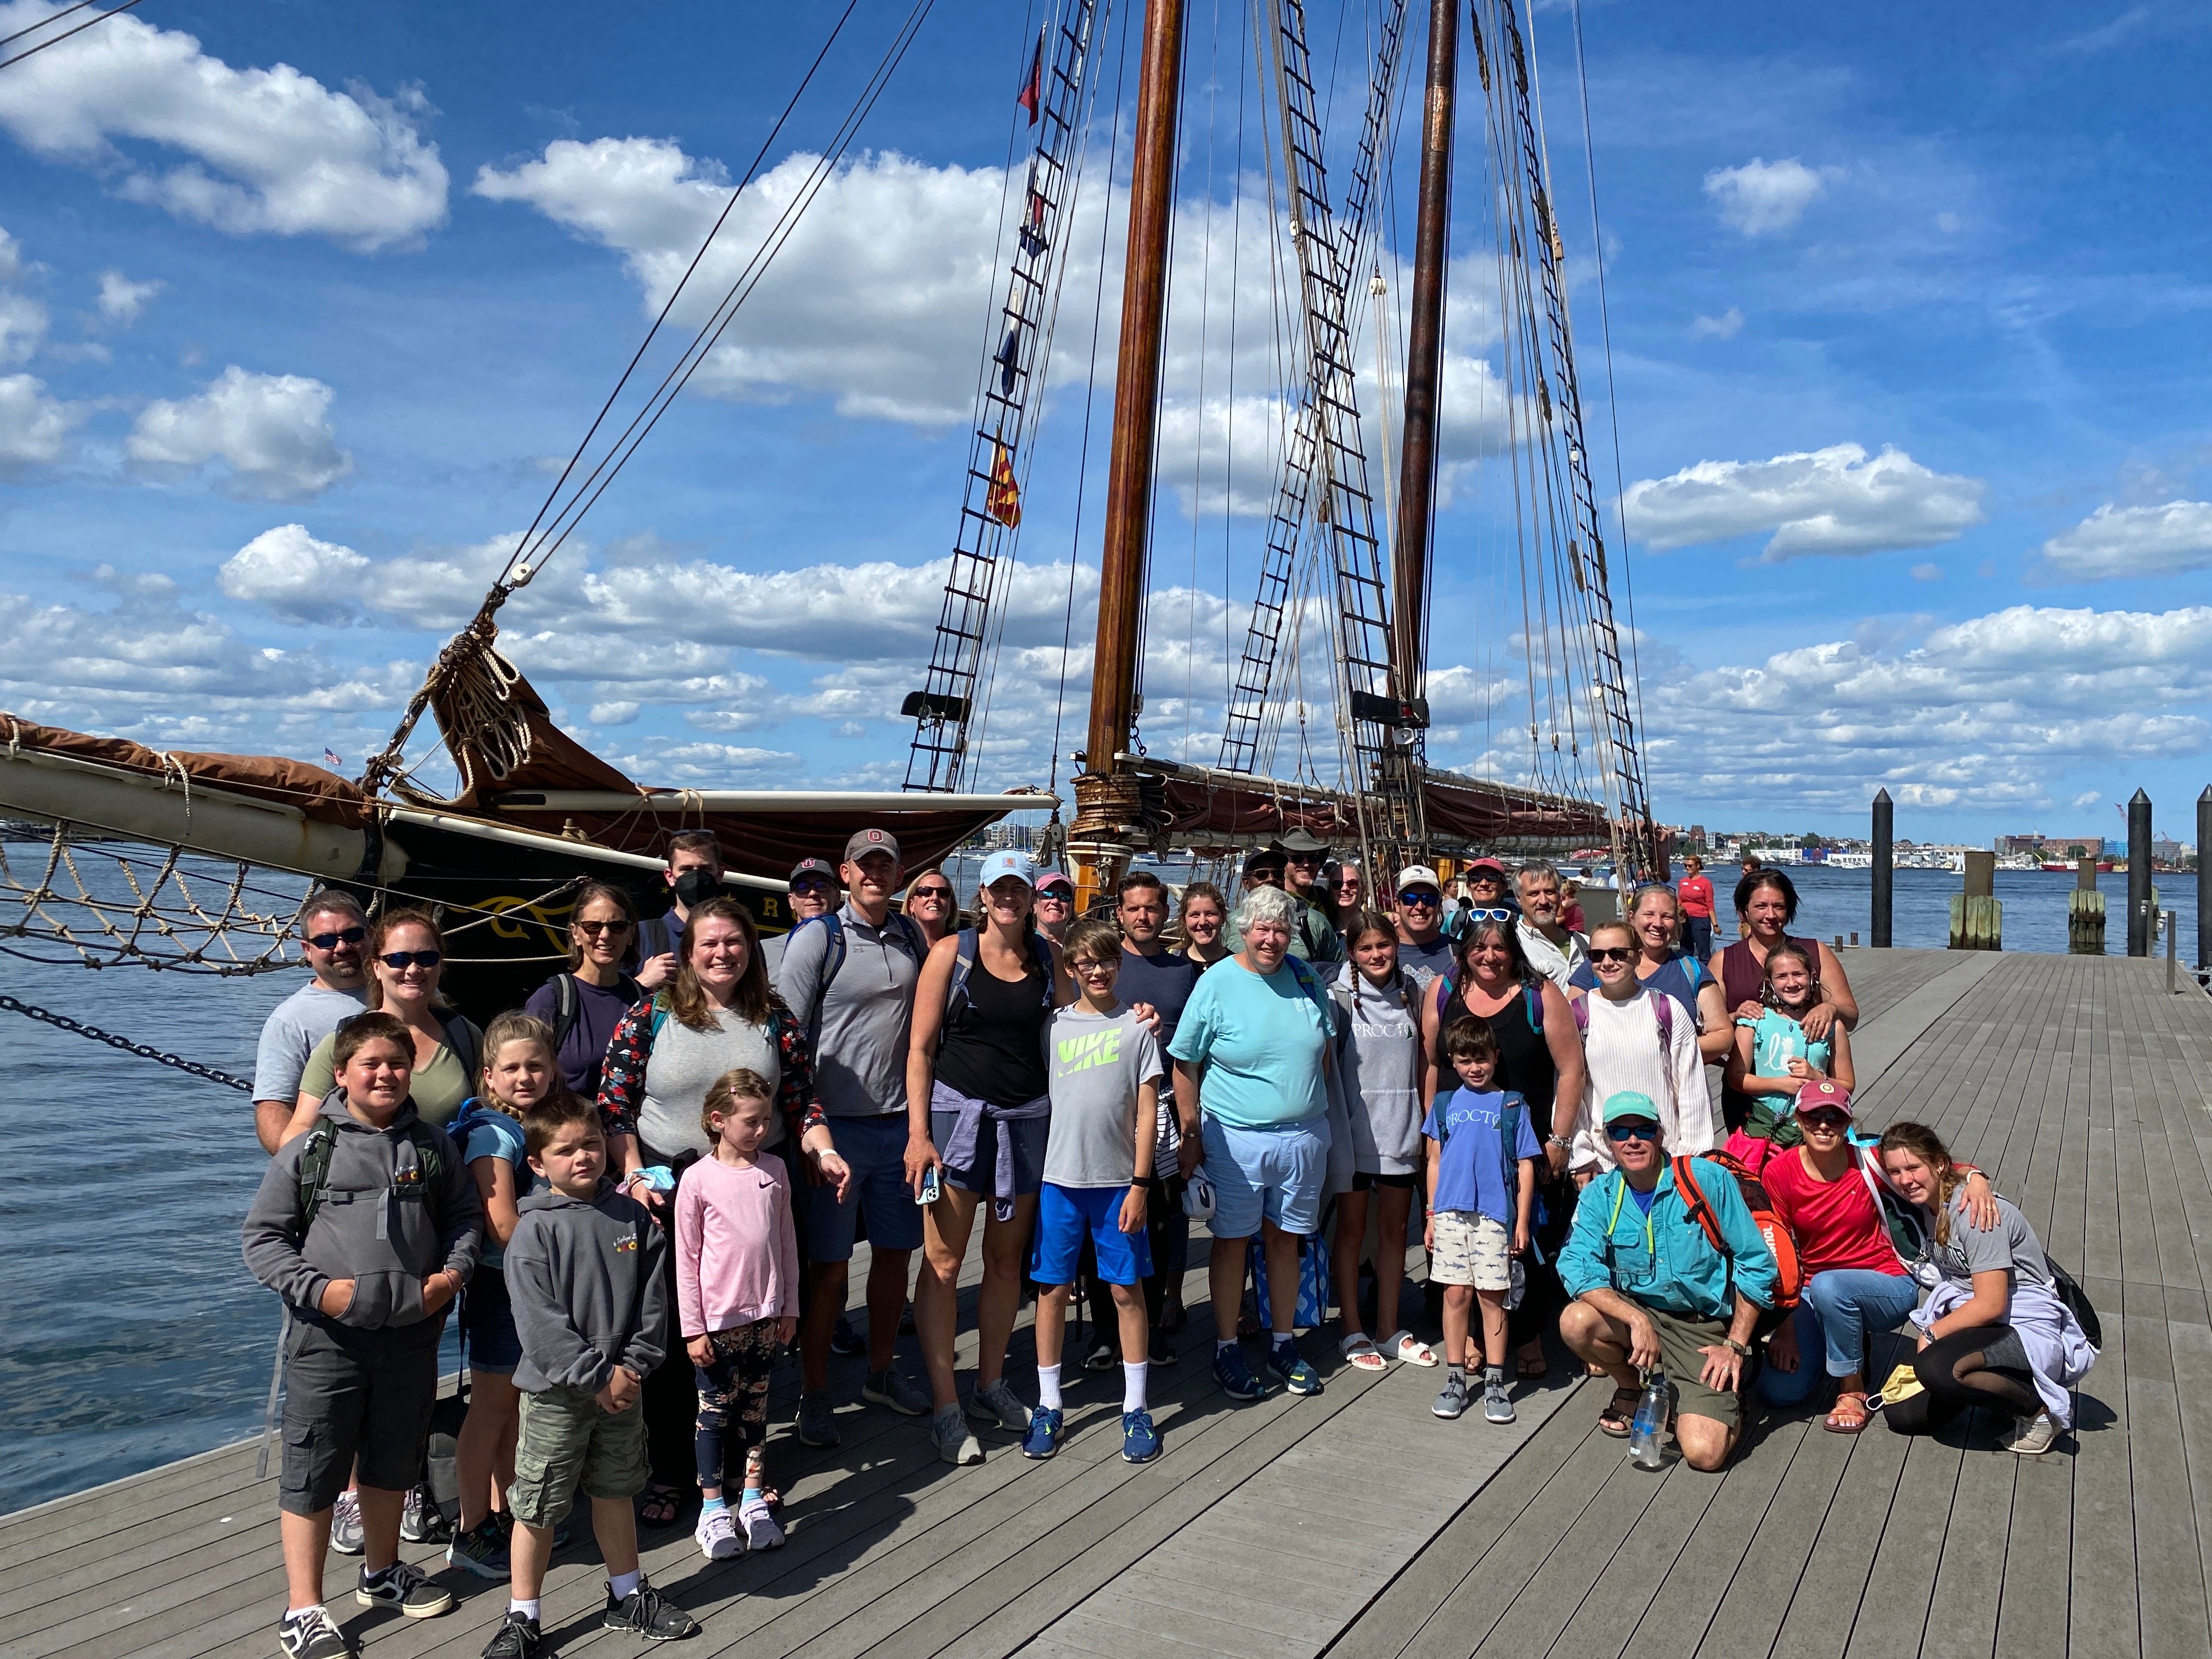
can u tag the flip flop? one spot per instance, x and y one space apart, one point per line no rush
1409 1348
1525 1367
1358 1351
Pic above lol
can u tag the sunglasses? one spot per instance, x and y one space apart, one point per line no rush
398 960
813 885
343 936
930 893
1611 953
1426 901
1496 913
1620 1133
1826 1118
1057 895
596 928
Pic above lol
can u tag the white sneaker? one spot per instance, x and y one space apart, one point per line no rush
346 1524
716 1535
2031 1437
955 1442
762 1532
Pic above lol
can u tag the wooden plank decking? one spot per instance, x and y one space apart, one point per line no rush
1357 1524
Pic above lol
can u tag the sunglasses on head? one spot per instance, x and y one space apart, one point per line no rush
1610 953
1828 1117
1496 913
343 936
1427 901
1619 1133
596 928
397 960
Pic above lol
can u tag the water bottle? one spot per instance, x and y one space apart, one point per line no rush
1650 1427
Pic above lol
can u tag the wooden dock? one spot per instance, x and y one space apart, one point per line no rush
1357 1524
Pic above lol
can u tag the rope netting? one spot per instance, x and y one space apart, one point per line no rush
77 898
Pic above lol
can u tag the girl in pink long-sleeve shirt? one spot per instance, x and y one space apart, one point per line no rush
737 1289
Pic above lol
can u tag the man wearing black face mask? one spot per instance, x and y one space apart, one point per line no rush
693 873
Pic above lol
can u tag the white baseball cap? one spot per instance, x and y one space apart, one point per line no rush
1418 875
1010 862
1198 1197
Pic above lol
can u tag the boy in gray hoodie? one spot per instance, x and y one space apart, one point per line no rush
367 1227
585 1273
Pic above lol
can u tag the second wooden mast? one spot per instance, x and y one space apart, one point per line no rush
1110 815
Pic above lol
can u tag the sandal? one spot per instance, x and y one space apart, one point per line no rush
1359 1352
1409 1348
1619 1417
659 1506
1849 1414
1531 1369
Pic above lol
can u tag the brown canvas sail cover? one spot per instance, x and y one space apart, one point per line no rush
324 796
1462 813
503 740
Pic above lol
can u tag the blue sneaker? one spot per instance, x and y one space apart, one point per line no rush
1140 1441
1042 1439
1234 1376
1287 1366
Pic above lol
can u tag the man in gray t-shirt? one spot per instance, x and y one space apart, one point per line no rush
333 932
848 975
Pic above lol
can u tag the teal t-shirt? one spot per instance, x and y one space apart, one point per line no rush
486 1132
1776 1039
1258 1040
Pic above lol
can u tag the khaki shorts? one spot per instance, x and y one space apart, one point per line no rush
1471 1249
567 1443
1680 1338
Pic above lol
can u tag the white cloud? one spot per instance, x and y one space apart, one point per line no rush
270 150
1833 501
11 258
121 299
272 430
35 428
2134 541
877 300
296 575
1725 327
22 326
1761 197
2087 797
614 714
1927 573
1982 711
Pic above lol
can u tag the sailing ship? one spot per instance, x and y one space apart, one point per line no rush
534 814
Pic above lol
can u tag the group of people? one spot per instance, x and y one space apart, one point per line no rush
648 1183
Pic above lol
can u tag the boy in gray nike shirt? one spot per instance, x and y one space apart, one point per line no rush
1105 1080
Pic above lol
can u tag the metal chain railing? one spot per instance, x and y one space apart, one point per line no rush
46 1016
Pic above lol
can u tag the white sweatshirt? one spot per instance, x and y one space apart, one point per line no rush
1625 1049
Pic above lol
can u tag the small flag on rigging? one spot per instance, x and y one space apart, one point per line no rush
1009 361
1033 84
1004 502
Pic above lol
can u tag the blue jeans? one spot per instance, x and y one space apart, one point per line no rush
1842 1308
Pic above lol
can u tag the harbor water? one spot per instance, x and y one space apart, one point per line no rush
130 1333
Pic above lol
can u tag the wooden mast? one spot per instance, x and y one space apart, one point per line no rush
1417 474
1108 806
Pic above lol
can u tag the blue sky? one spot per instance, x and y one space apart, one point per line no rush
1907 318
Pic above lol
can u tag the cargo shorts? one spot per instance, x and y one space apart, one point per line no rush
567 1443
355 1396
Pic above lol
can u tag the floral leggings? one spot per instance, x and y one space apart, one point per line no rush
737 1383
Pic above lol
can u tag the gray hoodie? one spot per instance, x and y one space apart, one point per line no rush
588 1289
376 1225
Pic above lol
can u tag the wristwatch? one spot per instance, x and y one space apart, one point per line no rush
1557 1141
1740 1350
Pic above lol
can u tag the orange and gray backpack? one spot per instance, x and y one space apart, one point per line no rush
1781 1242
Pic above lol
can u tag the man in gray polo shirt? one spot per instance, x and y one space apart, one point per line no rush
332 930
849 976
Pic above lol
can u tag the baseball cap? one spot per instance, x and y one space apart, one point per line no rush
1269 854
1010 862
872 841
1418 875
1049 877
814 867
1820 1093
1198 1197
1628 1103
1491 865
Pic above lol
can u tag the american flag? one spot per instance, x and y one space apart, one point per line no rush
331 759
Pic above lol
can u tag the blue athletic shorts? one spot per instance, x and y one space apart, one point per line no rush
1279 1173
1068 1215
876 1148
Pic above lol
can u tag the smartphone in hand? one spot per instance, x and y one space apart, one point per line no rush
933 1188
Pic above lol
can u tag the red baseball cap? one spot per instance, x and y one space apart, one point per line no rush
1821 1093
